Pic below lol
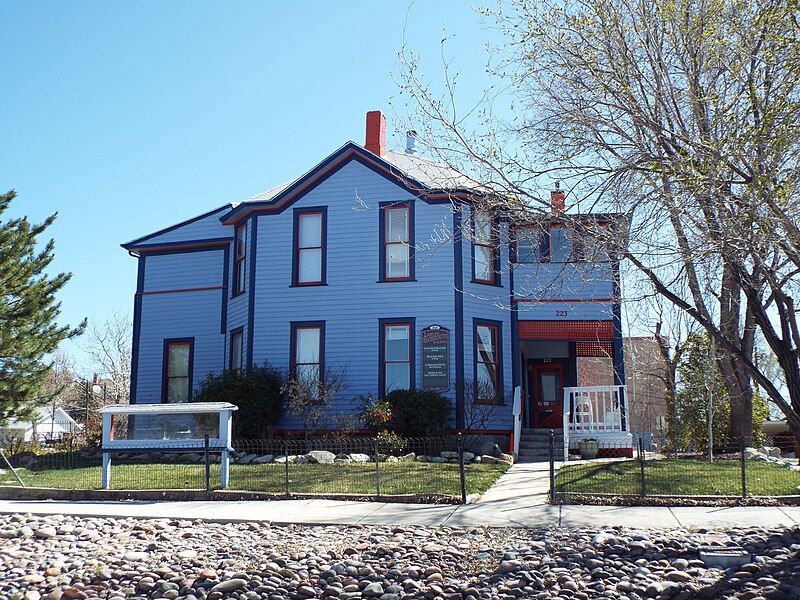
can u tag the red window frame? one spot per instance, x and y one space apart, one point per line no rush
296 328
298 249
491 244
409 325
239 253
166 377
387 243
496 362
237 333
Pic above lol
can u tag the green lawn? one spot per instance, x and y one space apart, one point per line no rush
395 478
687 477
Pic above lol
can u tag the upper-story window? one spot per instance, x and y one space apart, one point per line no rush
236 349
310 234
178 359
484 248
239 251
561 244
397 241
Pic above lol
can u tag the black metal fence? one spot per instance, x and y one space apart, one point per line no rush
434 469
734 470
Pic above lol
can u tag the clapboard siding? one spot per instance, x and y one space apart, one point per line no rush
352 302
237 305
179 314
184 270
563 281
488 302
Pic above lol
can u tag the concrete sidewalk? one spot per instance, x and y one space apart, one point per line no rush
518 499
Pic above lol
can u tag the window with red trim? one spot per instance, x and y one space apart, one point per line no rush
396 243
487 363
239 248
177 371
397 355
309 247
307 359
484 248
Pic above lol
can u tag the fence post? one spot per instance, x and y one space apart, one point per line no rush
744 468
207 461
286 465
377 471
641 468
462 476
552 467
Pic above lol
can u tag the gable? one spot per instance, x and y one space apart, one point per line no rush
286 196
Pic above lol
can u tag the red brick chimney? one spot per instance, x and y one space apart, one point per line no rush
376 133
557 195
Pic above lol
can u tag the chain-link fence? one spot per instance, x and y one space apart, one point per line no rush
735 470
421 469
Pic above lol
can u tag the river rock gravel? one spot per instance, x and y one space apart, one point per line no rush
72 558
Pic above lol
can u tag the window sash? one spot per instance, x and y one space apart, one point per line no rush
239 252
397 242
237 340
529 245
487 363
560 245
307 353
309 250
178 371
397 356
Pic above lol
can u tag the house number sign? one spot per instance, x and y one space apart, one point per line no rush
435 359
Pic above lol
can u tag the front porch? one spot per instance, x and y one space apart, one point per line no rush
571 379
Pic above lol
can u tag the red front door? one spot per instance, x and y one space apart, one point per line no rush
546 385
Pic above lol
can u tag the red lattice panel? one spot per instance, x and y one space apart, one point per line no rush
603 349
570 331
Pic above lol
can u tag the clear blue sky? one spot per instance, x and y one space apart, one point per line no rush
128 117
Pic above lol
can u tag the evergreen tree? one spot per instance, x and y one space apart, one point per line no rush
28 312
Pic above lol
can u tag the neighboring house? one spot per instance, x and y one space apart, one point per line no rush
646 374
378 261
47 424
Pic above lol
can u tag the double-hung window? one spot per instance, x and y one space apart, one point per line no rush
178 358
529 244
397 239
307 360
484 248
239 251
560 246
397 351
488 363
236 353
309 246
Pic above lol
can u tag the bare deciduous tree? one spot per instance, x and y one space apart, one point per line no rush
109 346
682 115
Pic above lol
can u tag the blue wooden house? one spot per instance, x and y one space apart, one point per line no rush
381 264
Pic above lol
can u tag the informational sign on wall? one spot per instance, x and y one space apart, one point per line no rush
435 359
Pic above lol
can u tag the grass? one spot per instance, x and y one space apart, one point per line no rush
682 477
401 478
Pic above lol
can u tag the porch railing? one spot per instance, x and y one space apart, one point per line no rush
593 410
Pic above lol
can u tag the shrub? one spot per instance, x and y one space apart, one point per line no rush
375 414
256 391
390 443
415 413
